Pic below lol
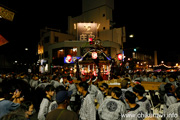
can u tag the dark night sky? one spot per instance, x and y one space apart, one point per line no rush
154 25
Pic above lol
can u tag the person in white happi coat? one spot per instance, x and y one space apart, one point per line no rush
112 108
142 100
88 109
174 109
136 112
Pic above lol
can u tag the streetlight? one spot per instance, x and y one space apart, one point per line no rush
131 35
26 49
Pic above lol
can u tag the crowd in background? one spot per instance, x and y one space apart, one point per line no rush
57 97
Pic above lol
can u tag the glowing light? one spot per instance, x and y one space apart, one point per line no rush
69 57
94 55
131 36
119 56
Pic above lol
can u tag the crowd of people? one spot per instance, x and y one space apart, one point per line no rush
58 97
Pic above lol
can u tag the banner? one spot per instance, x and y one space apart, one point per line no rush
2 40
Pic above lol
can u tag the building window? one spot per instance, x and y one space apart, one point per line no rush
46 39
104 15
104 28
60 53
56 39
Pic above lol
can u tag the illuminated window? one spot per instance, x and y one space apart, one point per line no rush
60 53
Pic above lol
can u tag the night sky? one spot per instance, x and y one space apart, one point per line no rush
154 25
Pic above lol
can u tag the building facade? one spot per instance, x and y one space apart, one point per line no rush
95 22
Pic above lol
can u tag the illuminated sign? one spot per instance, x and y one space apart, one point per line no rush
86 31
6 14
72 60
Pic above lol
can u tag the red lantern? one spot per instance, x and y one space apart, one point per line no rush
94 55
90 41
69 58
119 56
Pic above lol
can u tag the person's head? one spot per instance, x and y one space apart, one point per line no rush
172 78
169 88
138 90
103 87
130 97
177 92
14 116
124 84
150 75
63 97
83 86
154 76
49 90
17 93
116 92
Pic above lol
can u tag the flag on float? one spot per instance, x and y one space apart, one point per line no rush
2 40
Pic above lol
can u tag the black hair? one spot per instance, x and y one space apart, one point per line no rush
178 92
85 85
105 85
173 76
69 78
117 91
168 87
130 96
139 89
14 116
124 84
49 88
60 88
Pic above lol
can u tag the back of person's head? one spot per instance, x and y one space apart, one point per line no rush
172 77
49 88
84 85
178 92
14 116
130 96
104 85
124 84
139 89
62 96
168 87
60 88
117 91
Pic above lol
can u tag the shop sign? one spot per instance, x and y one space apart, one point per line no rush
86 31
